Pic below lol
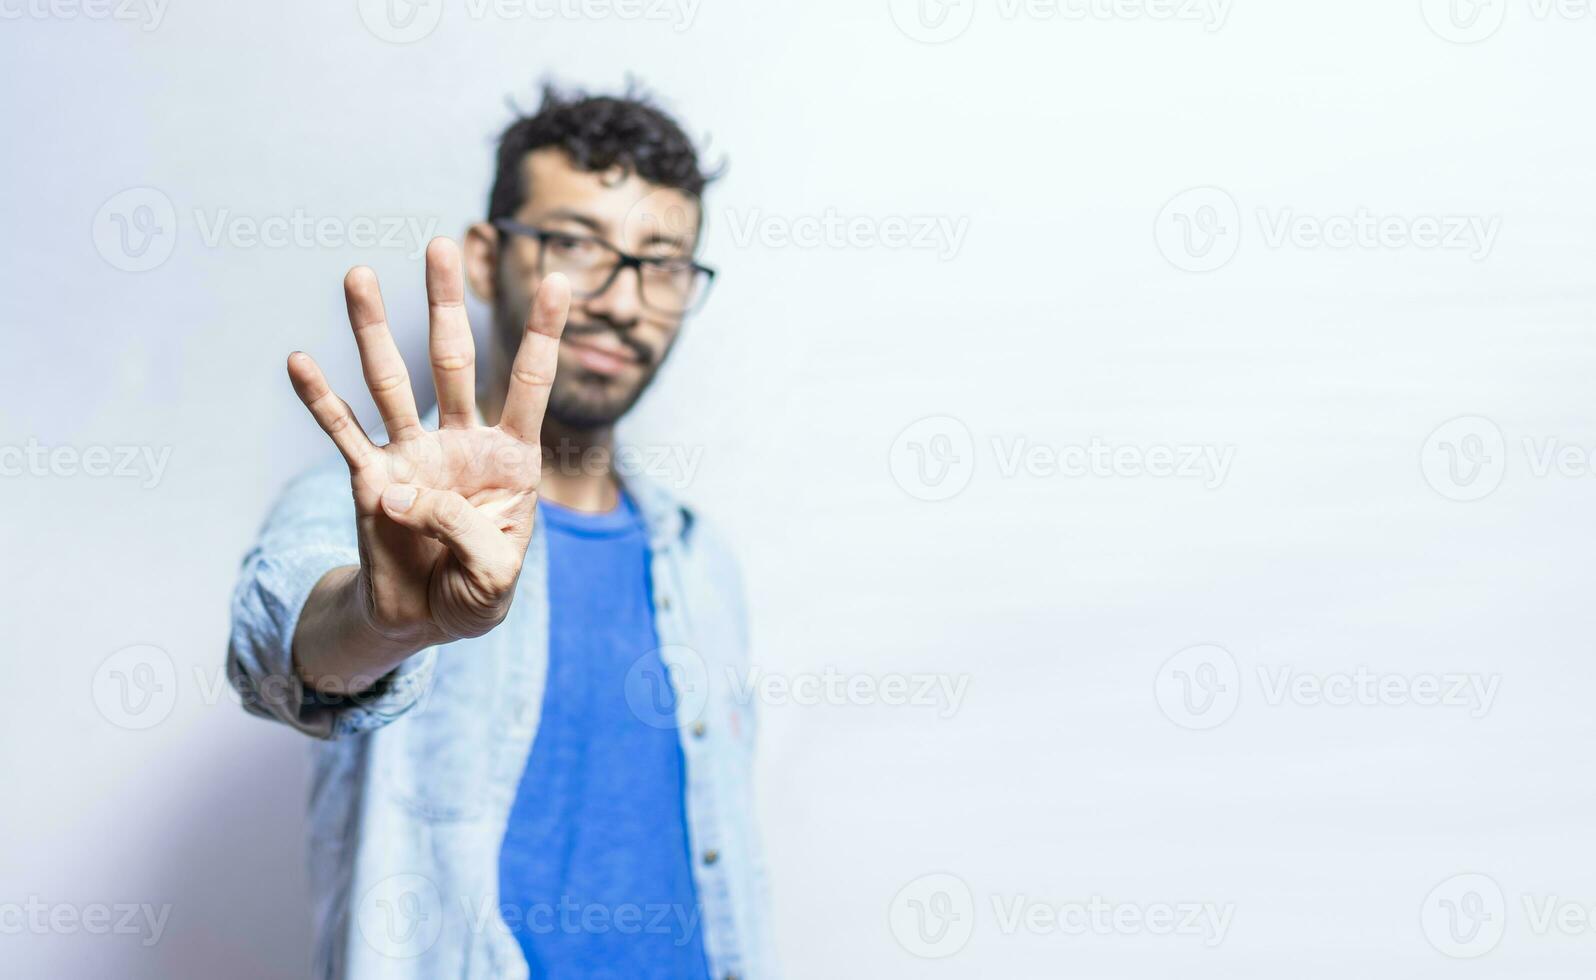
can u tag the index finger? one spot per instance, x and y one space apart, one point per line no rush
330 412
532 374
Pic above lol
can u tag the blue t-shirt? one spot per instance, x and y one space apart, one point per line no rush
595 875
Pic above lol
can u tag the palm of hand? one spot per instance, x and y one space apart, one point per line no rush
415 577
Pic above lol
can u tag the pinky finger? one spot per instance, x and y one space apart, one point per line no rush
330 412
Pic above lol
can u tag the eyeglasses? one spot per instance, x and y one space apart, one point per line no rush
671 286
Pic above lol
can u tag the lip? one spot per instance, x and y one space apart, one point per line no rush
608 361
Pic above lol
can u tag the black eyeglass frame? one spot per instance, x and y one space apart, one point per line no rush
624 260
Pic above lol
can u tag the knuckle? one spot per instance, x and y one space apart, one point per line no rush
530 376
498 579
454 361
387 382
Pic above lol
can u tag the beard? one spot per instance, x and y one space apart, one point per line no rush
579 400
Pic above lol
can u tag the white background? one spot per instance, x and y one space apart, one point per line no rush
1332 543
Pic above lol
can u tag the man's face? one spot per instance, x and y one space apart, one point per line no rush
614 342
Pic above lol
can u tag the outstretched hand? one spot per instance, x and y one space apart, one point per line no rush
443 517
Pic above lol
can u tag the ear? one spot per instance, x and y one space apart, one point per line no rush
481 257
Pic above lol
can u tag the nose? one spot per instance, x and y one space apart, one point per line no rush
620 302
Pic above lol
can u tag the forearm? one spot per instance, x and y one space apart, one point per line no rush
336 647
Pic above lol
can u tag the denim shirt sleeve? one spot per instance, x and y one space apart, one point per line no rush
310 532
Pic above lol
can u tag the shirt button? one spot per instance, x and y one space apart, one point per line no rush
711 856
698 729
665 603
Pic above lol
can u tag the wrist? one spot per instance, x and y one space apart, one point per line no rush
381 635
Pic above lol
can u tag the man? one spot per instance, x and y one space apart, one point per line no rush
517 661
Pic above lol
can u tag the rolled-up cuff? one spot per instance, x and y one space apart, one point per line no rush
266 608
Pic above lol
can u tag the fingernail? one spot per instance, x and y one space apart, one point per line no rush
397 497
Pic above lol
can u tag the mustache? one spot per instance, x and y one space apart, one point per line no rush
601 324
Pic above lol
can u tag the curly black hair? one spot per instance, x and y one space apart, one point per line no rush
597 132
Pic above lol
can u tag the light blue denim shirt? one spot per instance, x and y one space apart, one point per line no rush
414 780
